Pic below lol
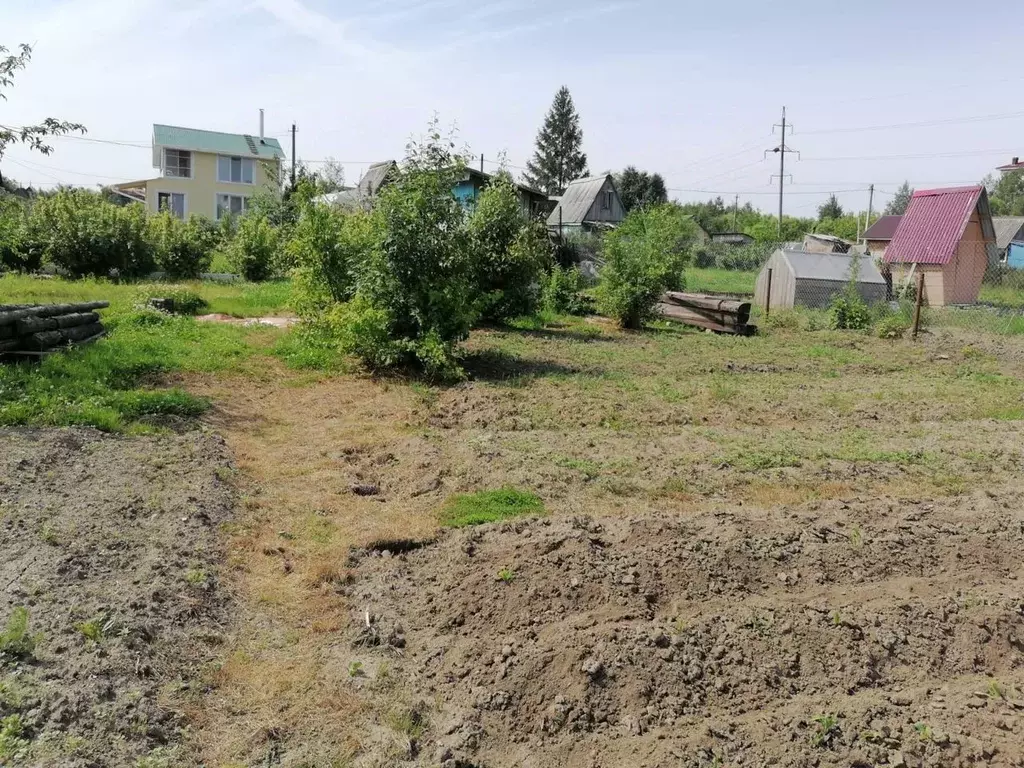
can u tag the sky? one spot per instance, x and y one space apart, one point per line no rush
876 91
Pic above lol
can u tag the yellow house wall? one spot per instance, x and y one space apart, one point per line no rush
934 288
202 189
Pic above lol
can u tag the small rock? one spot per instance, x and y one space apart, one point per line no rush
364 489
592 667
896 760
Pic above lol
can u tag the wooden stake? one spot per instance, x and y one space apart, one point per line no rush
917 304
768 296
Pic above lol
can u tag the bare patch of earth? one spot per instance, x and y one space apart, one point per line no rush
111 544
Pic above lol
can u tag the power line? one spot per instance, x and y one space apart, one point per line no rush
920 124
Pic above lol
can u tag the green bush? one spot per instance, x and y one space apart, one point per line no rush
184 300
415 284
18 250
848 311
326 247
892 327
509 252
254 249
85 235
562 292
183 249
643 257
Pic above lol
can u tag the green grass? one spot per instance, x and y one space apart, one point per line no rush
717 280
15 639
489 507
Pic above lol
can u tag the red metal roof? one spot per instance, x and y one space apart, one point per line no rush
883 229
933 224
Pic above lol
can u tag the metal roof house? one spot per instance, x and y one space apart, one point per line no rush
1009 229
732 238
948 235
878 235
588 204
206 172
805 279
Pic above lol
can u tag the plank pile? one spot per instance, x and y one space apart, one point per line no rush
711 312
40 328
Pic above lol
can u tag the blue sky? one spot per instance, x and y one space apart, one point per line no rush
687 89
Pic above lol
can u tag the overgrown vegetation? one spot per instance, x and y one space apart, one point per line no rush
15 640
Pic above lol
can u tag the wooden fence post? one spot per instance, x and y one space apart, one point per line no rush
768 294
917 304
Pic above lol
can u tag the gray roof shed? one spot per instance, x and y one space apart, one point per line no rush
1008 229
802 278
589 200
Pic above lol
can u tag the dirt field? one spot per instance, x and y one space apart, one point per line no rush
797 549
111 544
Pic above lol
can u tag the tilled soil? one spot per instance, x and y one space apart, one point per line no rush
110 543
852 633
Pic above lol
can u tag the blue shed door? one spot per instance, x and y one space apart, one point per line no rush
1015 256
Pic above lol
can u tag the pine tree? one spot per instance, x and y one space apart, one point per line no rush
830 209
898 205
559 156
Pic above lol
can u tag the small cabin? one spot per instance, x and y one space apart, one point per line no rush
804 279
587 204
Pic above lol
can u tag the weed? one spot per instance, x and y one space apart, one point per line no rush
996 690
355 669
161 757
924 731
826 728
837 619
856 537
589 469
507 575
13 746
95 629
196 577
48 533
411 722
16 640
489 507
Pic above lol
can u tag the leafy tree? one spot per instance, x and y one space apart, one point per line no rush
830 209
509 253
844 227
898 205
327 247
644 256
331 176
559 156
32 135
1006 194
183 249
253 250
639 189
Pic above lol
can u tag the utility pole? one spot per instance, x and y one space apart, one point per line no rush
782 149
871 201
735 211
293 155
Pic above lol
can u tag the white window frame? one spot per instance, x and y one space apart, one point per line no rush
241 173
184 202
216 204
191 163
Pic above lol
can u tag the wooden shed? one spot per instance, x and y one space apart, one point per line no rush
588 204
948 235
804 279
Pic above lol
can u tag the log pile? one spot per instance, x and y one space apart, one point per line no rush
36 329
711 312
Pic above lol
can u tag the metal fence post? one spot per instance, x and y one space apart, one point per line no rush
917 304
768 294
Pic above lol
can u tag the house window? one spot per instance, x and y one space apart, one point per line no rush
178 163
236 205
235 170
171 201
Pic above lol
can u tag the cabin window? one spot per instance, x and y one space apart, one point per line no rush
236 205
178 163
606 201
235 170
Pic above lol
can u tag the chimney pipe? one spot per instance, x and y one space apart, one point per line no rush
261 124
1016 161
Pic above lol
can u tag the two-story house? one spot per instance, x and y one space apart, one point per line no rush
206 172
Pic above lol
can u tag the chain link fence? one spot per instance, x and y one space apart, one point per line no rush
809 285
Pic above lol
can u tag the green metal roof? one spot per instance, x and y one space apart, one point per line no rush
216 142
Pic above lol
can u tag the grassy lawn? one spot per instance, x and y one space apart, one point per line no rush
569 418
716 280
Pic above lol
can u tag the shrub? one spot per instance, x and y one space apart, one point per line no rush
84 235
254 248
183 249
184 301
704 257
415 285
562 292
847 311
643 257
326 247
18 250
892 327
509 252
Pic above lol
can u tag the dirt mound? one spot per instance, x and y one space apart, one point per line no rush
109 544
856 633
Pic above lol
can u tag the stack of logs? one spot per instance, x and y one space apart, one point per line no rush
713 313
39 328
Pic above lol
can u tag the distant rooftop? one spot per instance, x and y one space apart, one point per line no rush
883 229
